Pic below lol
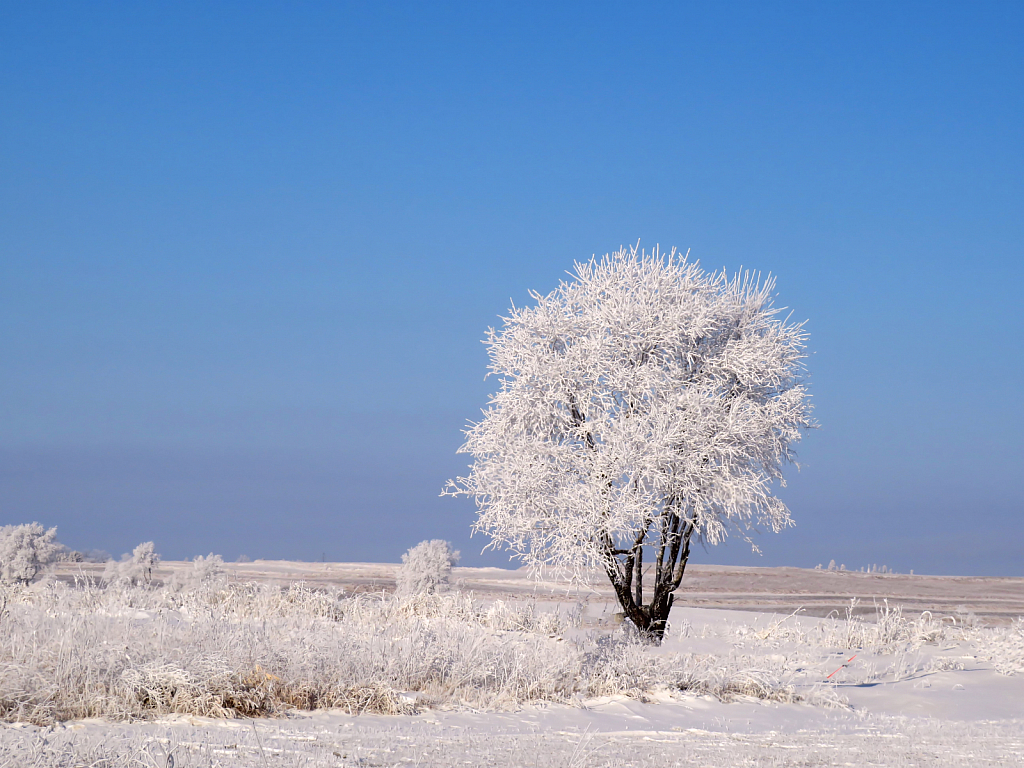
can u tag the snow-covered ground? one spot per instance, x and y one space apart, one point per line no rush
727 688
614 734
817 592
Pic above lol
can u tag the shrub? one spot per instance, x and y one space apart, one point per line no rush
204 570
136 569
426 568
25 550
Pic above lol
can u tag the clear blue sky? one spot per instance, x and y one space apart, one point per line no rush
248 252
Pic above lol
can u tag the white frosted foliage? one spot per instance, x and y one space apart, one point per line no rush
643 401
207 570
426 568
136 568
25 550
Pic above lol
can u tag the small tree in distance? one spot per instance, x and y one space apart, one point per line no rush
136 569
642 405
426 568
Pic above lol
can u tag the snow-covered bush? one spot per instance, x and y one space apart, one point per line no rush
1003 646
134 569
426 568
25 550
203 570
890 632
207 569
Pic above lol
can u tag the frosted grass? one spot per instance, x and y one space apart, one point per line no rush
123 652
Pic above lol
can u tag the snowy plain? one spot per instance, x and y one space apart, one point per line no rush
940 684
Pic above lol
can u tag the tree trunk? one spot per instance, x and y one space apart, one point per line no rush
625 571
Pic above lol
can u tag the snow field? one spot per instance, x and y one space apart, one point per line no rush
345 742
156 659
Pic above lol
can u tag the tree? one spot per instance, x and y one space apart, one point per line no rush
134 570
426 568
25 550
643 405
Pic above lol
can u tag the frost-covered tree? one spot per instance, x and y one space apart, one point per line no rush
25 550
426 568
643 405
135 569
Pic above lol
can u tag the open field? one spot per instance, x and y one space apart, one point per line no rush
618 736
261 670
784 590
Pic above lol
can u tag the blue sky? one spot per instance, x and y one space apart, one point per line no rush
248 252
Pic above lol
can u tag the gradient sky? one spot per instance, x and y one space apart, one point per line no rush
248 252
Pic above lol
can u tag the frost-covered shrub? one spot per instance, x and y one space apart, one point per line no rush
135 569
207 569
25 550
204 570
426 568
890 632
1003 646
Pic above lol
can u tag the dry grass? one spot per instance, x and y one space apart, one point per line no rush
245 650
249 650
